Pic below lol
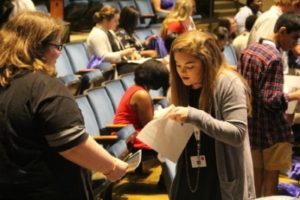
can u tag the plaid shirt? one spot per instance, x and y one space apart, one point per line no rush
261 65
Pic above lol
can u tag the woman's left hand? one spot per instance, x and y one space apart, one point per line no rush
179 114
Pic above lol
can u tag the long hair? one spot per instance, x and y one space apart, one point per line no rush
203 46
129 19
181 11
23 41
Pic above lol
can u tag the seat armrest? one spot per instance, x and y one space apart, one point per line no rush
108 129
106 139
85 70
147 15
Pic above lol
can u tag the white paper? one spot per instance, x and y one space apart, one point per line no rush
133 161
166 136
291 83
138 61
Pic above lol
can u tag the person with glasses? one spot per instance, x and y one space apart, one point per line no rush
45 151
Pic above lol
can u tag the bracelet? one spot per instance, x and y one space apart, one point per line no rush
112 170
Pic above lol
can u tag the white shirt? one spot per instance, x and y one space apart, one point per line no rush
240 43
264 25
98 44
241 17
20 6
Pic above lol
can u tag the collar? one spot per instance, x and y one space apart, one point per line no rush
267 41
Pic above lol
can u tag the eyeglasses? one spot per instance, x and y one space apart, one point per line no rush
57 46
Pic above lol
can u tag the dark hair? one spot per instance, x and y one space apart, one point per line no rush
169 39
129 18
6 7
106 12
250 20
221 32
291 21
249 2
224 22
152 74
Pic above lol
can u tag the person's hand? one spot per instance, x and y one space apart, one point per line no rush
118 172
179 114
149 39
135 56
128 52
294 95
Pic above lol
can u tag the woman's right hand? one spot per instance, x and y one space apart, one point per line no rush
128 52
119 171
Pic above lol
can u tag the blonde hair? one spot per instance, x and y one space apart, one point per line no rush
107 12
180 12
23 41
203 46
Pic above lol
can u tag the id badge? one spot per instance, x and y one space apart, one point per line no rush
198 161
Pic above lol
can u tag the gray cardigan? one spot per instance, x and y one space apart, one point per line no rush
229 129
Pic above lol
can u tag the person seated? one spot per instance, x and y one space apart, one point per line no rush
125 33
162 7
107 18
136 106
179 20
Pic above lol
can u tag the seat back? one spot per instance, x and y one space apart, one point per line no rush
145 7
230 54
155 30
115 91
142 34
127 80
114 3
90 121
75 9
156 93
78 55
102 106
63 66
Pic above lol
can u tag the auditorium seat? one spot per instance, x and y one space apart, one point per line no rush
93 129
115 91
78 58
65 73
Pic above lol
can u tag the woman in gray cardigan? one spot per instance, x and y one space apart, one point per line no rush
216 163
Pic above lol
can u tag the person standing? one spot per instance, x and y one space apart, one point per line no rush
252 7
269 129
45 151
216 162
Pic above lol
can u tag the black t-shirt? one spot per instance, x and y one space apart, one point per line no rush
38 119
202 181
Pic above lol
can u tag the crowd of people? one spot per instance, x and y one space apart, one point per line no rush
243 137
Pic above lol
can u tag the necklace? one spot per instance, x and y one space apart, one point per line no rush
195 188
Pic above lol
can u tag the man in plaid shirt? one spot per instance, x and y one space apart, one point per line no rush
269 130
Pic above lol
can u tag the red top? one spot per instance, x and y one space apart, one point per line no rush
176 27
125 114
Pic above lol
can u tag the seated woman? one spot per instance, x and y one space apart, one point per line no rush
125 33
162 7
107 18
136 106
179 20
